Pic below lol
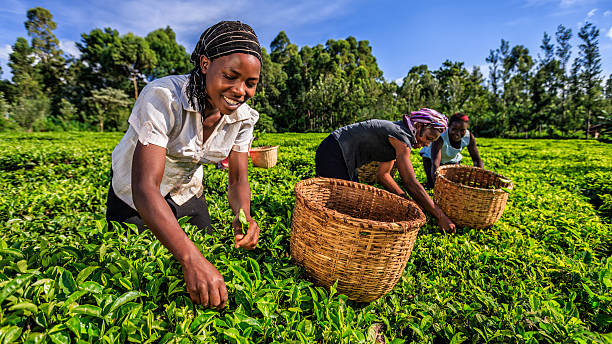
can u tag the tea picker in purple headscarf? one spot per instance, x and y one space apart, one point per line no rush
348 148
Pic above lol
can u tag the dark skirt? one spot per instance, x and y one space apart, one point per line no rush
329 161
196 208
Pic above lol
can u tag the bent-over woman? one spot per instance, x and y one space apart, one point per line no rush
348 148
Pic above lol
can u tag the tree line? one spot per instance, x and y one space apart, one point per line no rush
312 89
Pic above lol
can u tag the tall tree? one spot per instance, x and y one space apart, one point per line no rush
25 75
136 58
590 77
545 85
563 53
171 57
110 106
45 45
516 92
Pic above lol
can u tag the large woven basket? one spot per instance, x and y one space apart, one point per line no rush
471 196
352 233
264 156
367 172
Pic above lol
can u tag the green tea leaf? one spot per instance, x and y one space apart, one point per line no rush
125 298
13 285
67 282
11 335
90 310
242 218
24 306
83 274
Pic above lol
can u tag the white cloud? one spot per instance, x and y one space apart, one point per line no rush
188 18
484 70
70 47
535 3
5 51
607 13
609 34
570 3
399 81
591 13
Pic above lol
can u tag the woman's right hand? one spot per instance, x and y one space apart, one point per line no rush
446 224
204 282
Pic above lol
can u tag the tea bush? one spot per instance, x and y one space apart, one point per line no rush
542 274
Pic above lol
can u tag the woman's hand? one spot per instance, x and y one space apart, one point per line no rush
204 282
446 224
248 241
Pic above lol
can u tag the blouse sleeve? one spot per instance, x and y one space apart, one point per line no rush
153 115
245 134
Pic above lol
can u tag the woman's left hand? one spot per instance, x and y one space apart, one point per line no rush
248 241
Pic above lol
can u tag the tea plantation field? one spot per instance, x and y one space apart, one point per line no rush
542 274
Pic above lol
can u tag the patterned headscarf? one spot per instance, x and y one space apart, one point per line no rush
428 117
221 39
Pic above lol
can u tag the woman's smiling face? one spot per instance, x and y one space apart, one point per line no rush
231 80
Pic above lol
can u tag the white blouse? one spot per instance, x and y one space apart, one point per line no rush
163 116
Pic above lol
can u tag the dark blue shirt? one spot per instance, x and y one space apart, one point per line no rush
368 141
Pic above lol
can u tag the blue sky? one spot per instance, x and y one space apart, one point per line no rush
402 34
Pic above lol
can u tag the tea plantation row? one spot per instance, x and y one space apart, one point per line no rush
542 274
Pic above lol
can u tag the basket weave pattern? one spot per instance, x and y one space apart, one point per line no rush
367 172
264 156
354 233
470 196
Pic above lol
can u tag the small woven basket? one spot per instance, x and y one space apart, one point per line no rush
367 172
471 196
264 156
352 233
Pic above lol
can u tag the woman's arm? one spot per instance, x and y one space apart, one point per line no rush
415 189
239 197
436 157
204 283
383 173
473 150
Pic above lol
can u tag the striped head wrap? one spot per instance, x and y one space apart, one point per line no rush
428 117
221 39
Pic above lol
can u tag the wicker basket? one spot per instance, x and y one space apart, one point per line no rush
470 196
353 233
367 172
264 156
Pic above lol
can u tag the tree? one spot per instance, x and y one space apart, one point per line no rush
45 45
563 53
40 26
282 49
136 57
589 76
25 76
517 65
27 111
171 57
110 106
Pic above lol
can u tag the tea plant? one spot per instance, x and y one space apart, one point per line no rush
542 274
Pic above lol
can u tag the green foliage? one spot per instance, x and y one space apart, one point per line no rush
541 274
170 56
110 106
28 111
322 87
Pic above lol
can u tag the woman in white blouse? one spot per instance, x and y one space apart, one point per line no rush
177 124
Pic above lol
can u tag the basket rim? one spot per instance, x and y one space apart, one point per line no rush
263 148
447 167
410 225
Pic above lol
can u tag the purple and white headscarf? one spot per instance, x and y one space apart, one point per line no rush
429 117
